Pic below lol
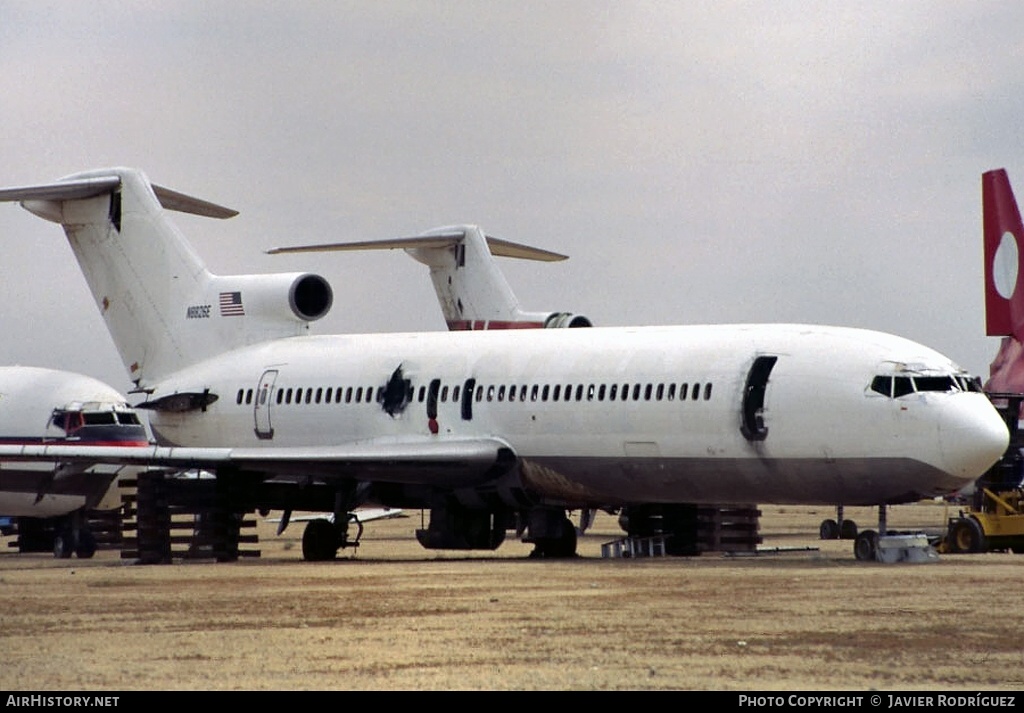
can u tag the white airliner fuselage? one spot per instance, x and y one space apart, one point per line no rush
615 415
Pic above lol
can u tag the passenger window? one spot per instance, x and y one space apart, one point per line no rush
682 391
544 393
696 391
707 391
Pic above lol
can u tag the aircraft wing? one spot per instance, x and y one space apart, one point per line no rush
429 461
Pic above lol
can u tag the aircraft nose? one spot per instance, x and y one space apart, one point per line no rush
972 438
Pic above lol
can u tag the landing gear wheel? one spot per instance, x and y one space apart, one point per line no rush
848 531
559 547
62 546
319 541
829 530
865 546
86 546
966 537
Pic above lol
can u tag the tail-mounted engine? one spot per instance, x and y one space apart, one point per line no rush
558 320
301 296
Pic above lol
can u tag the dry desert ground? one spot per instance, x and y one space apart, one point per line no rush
393 616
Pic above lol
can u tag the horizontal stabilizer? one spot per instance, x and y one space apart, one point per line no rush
62 190
172 200
82 188
498 247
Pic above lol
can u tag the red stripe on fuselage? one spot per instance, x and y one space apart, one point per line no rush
466 325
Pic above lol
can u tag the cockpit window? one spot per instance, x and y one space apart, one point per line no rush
902 385
935 383
100 418
896 386
128 418
969 383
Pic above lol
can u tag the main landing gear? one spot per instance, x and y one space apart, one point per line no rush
838 529
865 544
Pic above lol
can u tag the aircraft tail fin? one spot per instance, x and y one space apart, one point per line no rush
163 308
1003 233
1004 257
471 290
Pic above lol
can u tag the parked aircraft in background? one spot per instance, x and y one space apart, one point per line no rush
493 430
60 410
472 291
1004 271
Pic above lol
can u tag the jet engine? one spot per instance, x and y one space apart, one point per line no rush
558 320
302 296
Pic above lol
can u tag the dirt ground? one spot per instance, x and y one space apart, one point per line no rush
394 616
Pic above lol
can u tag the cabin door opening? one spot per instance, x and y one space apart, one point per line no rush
753 427
261 405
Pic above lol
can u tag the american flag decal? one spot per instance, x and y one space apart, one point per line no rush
231 304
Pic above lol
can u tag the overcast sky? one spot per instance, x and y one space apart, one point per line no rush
698 161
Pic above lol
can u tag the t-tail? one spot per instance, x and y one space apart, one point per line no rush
1004 270
164 309
472 291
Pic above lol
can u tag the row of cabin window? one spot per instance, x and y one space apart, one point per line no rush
499 392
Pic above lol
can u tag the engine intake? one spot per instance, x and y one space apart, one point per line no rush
310 297
560 320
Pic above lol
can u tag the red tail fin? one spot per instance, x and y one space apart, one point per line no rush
1004 259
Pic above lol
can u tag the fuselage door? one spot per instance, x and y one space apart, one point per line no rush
261 405
753 427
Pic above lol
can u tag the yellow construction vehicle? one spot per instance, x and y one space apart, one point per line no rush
994 520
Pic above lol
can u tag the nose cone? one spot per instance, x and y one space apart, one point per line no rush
972 436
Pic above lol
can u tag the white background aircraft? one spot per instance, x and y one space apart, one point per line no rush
493 430
60 409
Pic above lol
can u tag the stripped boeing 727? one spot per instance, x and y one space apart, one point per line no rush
498 430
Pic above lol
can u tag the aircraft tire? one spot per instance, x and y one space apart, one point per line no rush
848 531
62 548
319 541
865 546
829 530
86 545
